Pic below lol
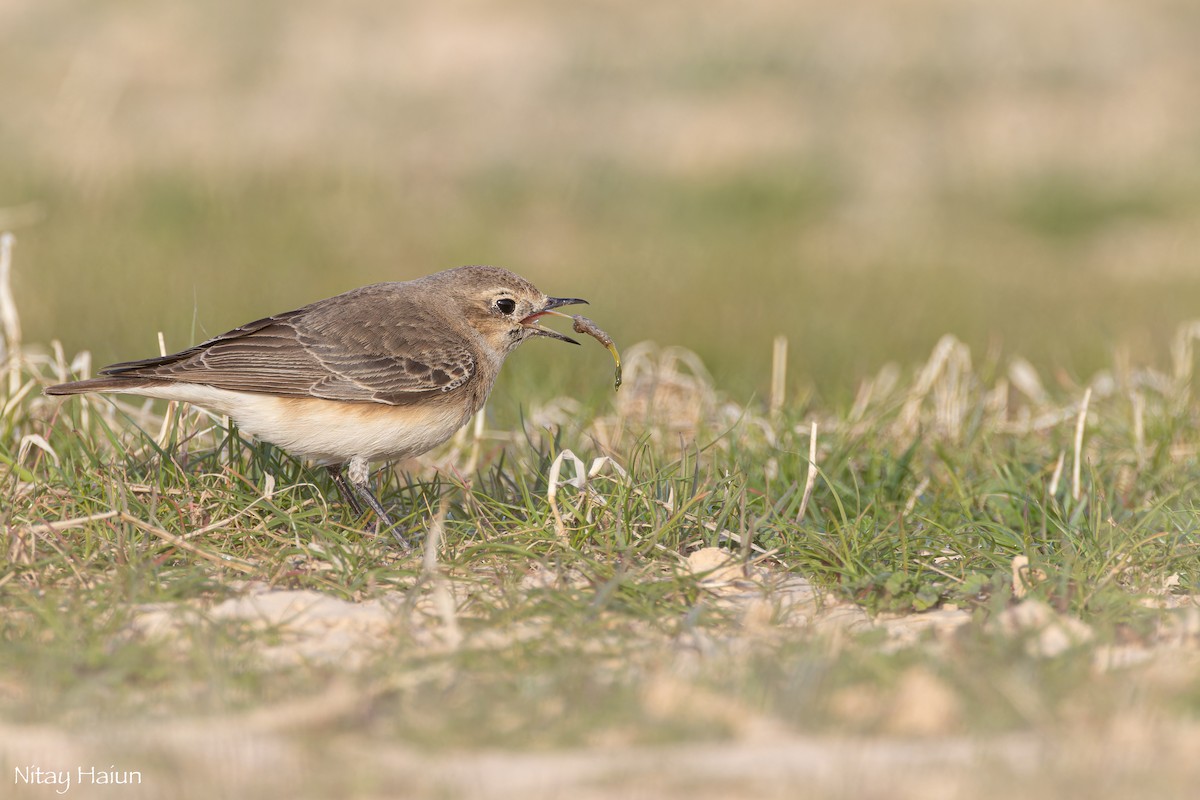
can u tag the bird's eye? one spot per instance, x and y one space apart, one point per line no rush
506 305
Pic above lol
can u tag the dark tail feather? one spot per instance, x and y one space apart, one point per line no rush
104 384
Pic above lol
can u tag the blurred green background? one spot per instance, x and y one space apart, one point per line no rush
862 176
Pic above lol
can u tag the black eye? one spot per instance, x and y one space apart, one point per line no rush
506 305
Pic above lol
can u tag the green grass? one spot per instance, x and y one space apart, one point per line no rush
523 639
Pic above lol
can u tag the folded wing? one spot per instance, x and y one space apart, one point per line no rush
356 350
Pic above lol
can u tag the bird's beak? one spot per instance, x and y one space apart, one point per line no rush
531 322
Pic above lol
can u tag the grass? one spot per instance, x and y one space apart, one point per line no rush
514 630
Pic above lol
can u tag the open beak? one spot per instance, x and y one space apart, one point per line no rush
531 322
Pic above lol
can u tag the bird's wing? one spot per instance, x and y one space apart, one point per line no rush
334 351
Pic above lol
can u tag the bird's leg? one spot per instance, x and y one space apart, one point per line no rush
339 480
359 473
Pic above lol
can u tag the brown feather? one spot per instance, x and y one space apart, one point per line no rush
101 385
368 345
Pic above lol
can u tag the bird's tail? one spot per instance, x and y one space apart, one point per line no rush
113 383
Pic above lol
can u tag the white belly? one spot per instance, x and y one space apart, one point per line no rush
327 431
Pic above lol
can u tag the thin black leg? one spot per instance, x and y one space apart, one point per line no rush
339 480
359 474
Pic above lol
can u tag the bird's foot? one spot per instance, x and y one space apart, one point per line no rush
359 476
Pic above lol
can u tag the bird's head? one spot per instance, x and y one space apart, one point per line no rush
502 306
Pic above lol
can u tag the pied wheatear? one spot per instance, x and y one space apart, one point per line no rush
379 373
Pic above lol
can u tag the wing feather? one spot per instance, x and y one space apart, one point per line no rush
355 347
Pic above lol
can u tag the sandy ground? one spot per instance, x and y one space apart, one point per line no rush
312 747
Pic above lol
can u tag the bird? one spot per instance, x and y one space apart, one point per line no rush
379 373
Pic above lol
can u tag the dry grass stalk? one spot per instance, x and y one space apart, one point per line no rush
582 475
1076 488
810 482
917 491
1025 378
945 377
66 524
779 352
1183 355
1139 427
169 416
216 558
1056 475
10 348
951 393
